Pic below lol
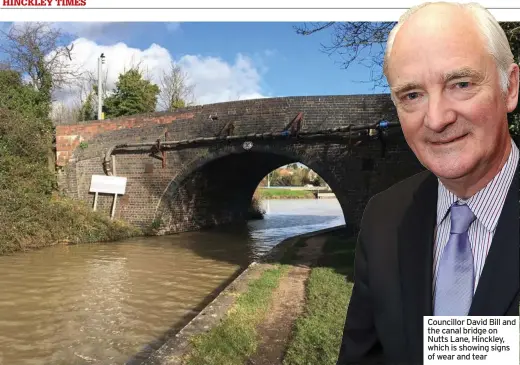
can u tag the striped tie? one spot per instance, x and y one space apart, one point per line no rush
455 277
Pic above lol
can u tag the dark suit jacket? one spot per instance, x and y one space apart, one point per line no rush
393 273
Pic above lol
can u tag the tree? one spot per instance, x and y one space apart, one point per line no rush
133 95
16 96
318 181
24 136
175 91
87 94
365 42
36 50
87 110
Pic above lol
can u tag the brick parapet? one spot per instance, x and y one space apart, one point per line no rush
206 186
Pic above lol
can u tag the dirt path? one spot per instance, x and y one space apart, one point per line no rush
287 304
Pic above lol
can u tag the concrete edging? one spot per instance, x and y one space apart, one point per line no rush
173 350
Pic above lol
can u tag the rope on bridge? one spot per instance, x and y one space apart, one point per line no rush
289 133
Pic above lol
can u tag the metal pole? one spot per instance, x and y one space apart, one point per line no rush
269 180
100 86
99 89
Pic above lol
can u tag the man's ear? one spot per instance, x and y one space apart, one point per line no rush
512 91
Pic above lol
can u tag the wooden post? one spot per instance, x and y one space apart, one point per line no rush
95 200
113 207
114 165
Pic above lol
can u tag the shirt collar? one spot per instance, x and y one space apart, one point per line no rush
487 203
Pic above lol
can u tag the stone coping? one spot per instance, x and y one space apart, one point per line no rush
173 350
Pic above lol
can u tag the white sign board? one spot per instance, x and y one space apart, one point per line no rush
108 184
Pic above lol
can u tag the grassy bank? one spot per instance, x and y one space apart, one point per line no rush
274 193
317 334
235 338
39 222
32 214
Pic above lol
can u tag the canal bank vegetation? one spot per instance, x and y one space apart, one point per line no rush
314 337
294 174
235 339
318 332
32 213
280 193
281 183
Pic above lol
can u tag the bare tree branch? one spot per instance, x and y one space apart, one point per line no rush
313 28
38 52
365 42
175 90
360 42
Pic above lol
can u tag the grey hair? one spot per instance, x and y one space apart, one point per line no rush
497 43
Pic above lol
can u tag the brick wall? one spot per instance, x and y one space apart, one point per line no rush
206 186
69 137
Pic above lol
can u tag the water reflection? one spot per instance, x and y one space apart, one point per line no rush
100 304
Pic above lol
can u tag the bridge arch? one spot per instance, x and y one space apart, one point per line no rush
216 188
173 185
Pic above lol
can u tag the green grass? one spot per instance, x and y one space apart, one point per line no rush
318 332
235 339
34 221
274 193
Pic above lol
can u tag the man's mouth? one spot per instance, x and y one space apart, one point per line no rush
446 141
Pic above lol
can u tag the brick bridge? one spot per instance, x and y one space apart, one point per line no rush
212 184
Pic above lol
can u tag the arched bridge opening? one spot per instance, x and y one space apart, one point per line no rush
220 191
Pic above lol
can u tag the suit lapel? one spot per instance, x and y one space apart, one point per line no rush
416 235
499 283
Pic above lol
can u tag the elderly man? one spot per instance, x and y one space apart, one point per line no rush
445 241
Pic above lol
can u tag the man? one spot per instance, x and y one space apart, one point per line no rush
453 81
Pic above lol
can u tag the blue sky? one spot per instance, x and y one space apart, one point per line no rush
295 65
292 64
224 60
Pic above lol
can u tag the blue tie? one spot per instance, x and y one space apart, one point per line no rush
455 275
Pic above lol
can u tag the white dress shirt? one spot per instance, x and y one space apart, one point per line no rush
486 205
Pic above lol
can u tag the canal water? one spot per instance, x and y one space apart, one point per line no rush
114 303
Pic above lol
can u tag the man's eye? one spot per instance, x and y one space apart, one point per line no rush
463 84
411 96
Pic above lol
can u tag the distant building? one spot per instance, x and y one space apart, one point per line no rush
285 172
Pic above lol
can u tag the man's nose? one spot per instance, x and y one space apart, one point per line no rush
440 113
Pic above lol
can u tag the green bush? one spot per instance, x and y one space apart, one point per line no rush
31 213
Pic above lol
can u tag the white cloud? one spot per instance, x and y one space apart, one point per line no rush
214 79
217 81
